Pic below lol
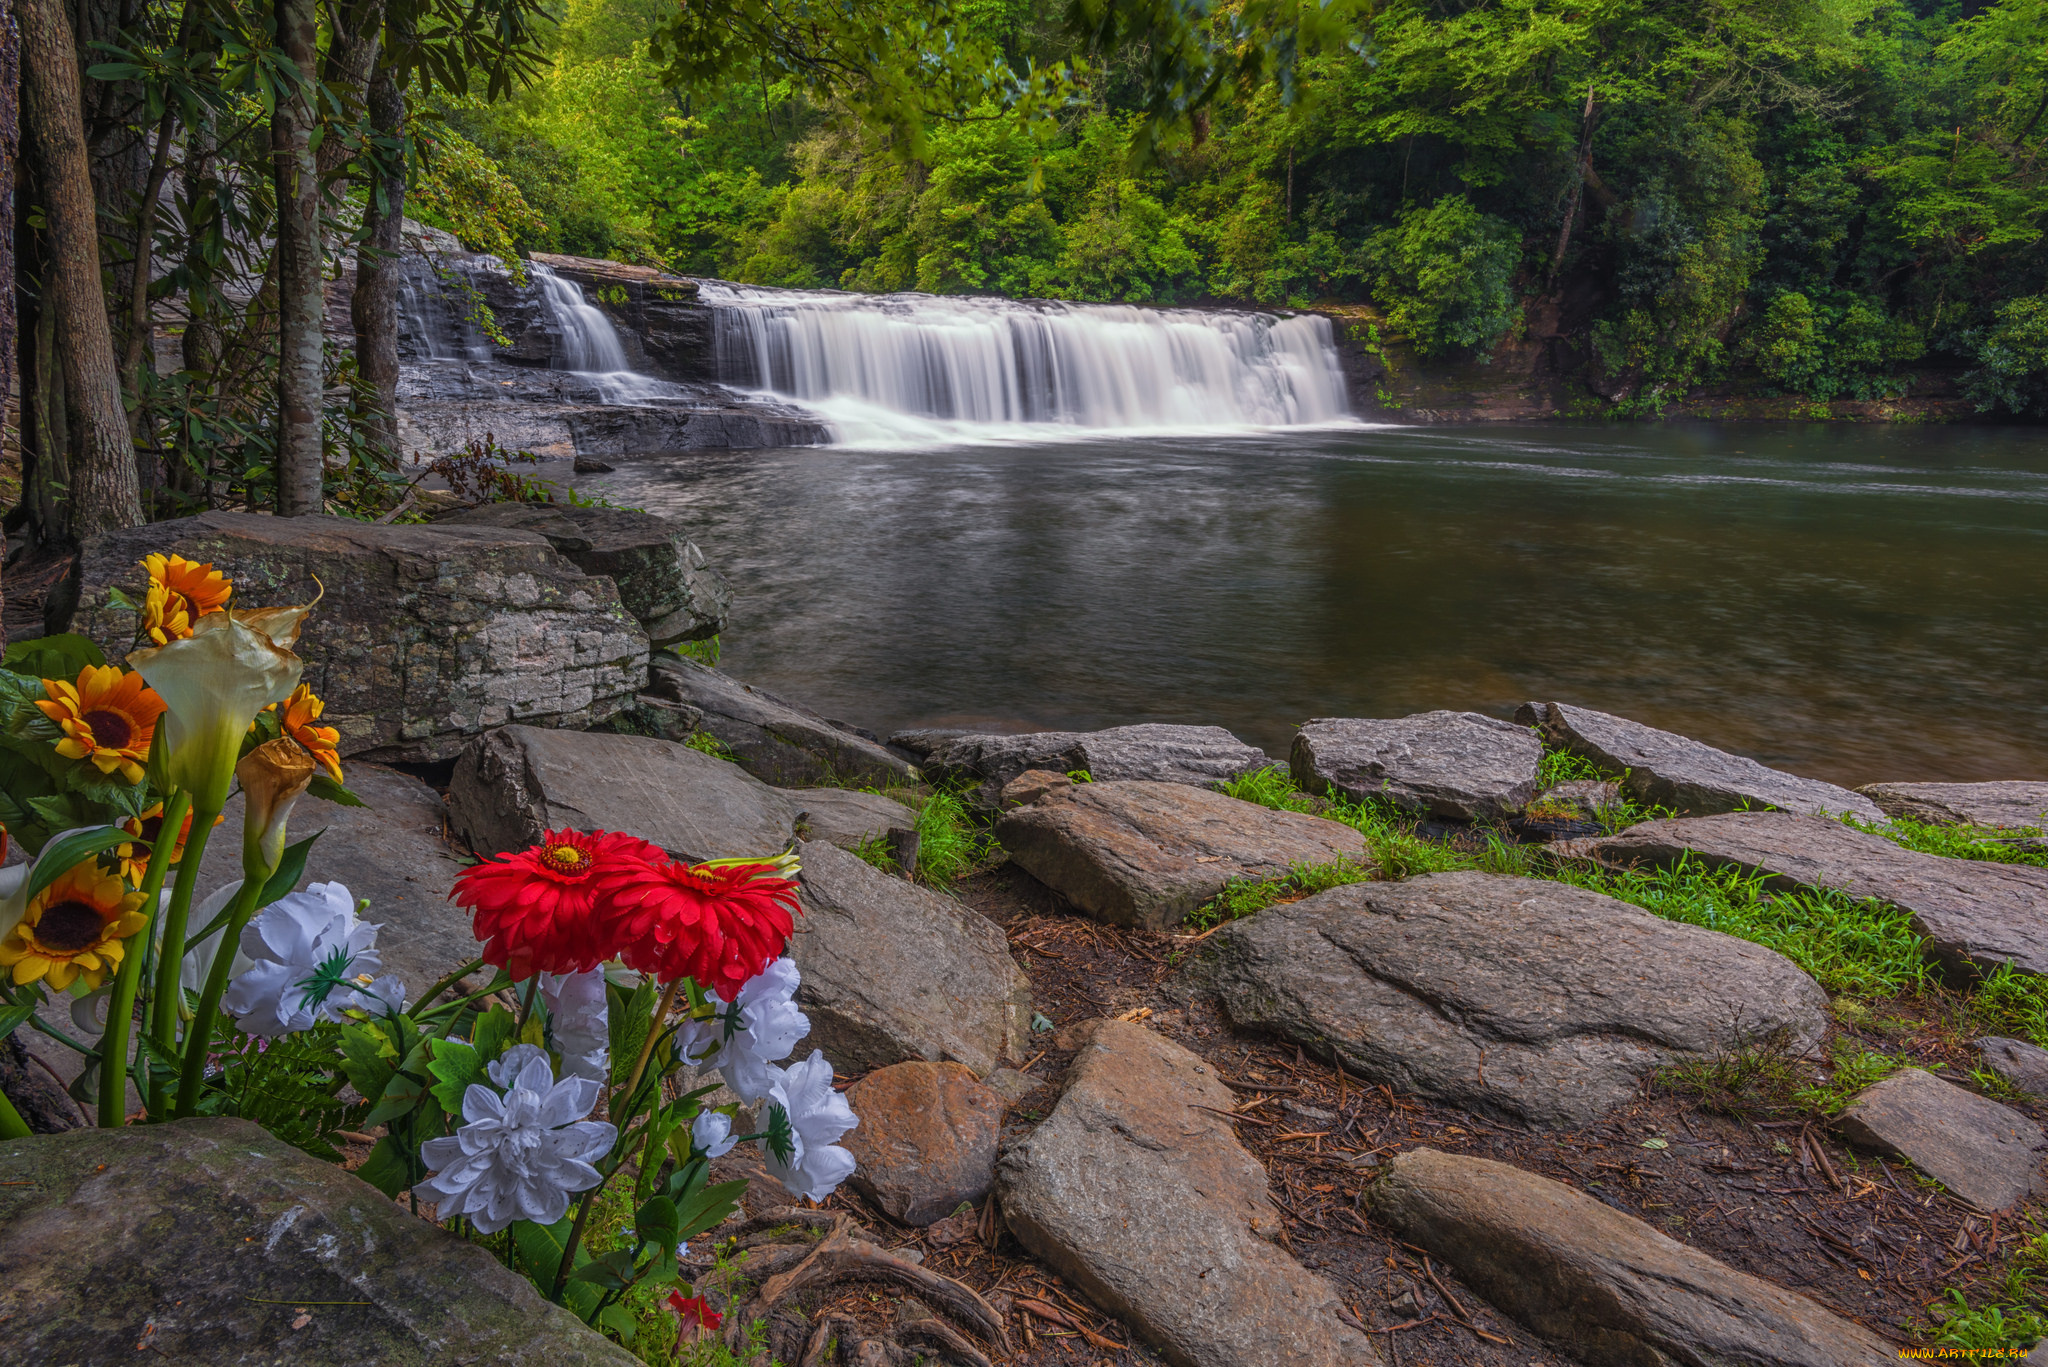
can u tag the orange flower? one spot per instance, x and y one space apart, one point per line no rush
73 929
301 710
108 717
148 829
181 591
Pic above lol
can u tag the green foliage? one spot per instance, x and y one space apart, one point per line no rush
1986 1326
2015 1004
2012 360
704 652
706 743
1992 843
1243 897
949 843
1443 274
1756 1078
1853 1069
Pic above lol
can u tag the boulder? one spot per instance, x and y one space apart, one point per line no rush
1147 854
389 850
210 1241
846 817
781 742
1454 764
515 783
1152 752
1973 914
2020 806
1669 770
926 1139
1518 997
2023 1065
425 635
1602 1285
1030 786
663 579
1986 1153
1137 1192
894 972
713 421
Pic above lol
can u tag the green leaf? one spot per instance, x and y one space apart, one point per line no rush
15 1016
386 1168
369 1060
540 1250
328 790
290 865
613 1271
631 1016
492 1034
708 1208
620 1321
61 856
658 1222
401 1094
53 657
456 1067
118 598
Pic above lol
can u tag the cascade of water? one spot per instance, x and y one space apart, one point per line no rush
589 342
433 321
912 364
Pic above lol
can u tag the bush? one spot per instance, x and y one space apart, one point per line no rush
2012 360
1443 277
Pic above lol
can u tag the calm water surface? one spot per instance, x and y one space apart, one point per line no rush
1854 603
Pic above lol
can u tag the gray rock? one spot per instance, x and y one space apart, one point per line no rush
2019 806
426 635
209 1241
515 783
1669 770
1988 1154
1135 1191
926 1140
389 850
1973 914
1601 1285
1153 752
894 972
1147 854
1455 764
1517 997
845 817
2023 1065
1580 799
776 740
1012 1085
663 578
921 741
617 430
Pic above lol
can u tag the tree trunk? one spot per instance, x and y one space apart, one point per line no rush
374 310
1583 171
104 493
299 250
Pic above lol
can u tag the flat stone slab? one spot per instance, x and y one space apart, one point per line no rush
209 1241
514 783
1152 752
1138 1193
772 738
1147 854
926 1140
845 817
1601 1285
2023 1065
1669 770
1986 1153
425 635
894 972
2012 806
1974 914
1517 997
389 850
1456 764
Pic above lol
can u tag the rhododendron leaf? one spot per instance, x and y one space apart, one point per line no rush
540 1253
708 1208
657 1222
491 1036
687 1180
325 788
620 1321
400 1096
455 1067
386 1168
613 1271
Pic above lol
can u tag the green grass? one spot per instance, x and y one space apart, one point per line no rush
950 843
1960 842
2014 1004
1854 1068
1562 766
1389 833
1985 1326
704 652
1755 1079
1243 897
710 745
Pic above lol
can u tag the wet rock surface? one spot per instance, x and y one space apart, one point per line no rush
776 740
1604 1286
1669 770
926 1141
1147 854
1136 1191
2010 805
1152 752
1515 997
1460 765
1986 1153
1973 914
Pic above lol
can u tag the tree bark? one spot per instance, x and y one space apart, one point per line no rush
1584 170
374 309
104 493
300 378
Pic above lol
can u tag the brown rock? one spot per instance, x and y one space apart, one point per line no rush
2023 1065
846 817
1032 785
1988 1154
2013 806
926 1139
1147 854
1602 1285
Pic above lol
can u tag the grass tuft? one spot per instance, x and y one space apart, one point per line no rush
1243 897
1988 843
1854 1069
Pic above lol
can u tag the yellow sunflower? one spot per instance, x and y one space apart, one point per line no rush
107 717
301 710
147 830
181 591
73 929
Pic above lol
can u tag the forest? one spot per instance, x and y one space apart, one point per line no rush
1827 197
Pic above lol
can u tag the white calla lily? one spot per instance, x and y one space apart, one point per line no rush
215 681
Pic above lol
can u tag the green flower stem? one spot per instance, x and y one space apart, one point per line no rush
254 876
121 1006
12 1126
438 988
168 999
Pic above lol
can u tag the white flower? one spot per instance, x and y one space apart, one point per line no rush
309 955
711 1134
751 1033
199 953
519 1156
817 1116
387 990
579 1022
504 1071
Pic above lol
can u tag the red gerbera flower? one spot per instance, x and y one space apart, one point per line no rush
536 911
718 923
694 1310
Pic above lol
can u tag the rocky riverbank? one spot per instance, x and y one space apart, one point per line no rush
1441 1039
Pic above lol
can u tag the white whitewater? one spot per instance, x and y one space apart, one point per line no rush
920 367
589 341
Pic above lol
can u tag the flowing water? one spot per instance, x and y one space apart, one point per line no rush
1855 603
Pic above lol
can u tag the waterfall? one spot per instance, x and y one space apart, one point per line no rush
923 366
589 341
